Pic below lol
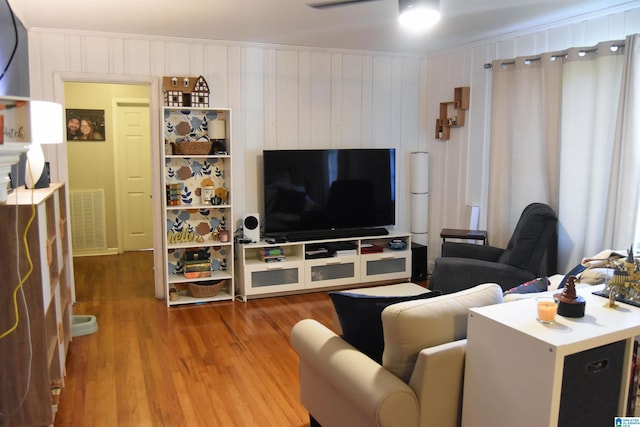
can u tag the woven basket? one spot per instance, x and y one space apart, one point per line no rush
205 289
193 147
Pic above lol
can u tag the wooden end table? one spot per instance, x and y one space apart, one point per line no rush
454 233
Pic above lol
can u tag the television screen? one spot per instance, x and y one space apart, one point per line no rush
328 189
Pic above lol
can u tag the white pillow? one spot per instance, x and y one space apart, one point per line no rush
595 276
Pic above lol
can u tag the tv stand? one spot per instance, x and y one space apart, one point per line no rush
336 233
295 266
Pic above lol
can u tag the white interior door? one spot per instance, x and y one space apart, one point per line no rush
134 174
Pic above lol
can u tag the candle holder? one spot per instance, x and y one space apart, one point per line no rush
547 308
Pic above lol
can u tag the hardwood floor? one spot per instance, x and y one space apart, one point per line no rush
221 364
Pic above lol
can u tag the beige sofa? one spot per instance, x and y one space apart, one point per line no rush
420 380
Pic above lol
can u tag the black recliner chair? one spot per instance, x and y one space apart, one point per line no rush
530 253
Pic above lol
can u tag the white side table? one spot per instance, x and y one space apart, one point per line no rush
515 366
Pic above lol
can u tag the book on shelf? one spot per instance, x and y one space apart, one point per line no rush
197 274
198 268
196 262
191 266
274 251
272 254
173 194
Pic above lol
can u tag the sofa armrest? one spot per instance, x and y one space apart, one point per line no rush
437 380
339 385
469 250
455 274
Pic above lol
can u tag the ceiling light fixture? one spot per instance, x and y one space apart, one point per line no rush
419 15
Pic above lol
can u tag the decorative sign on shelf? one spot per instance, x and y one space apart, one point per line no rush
15 116
183 236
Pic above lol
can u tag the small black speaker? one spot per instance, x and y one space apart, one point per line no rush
45 178
419 271
251 227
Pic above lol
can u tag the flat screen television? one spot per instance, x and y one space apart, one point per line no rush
316 190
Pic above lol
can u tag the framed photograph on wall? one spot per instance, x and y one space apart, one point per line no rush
85 125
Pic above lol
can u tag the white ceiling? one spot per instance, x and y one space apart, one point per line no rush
363 26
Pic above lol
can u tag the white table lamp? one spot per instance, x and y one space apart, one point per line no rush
218 129
46 128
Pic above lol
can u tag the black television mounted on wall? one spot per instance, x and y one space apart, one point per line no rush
330 189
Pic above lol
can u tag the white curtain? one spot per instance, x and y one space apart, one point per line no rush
565 133
525 137
590 94
624 188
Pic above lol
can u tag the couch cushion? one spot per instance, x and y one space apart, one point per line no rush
596 276
395 290
414 325
541 284
359 317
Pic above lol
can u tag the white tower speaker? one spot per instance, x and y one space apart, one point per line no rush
251 227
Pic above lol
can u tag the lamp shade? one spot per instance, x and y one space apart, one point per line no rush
46 128
46 122
419 192
420 172
420 213
218 129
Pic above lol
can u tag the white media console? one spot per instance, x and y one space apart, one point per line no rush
297 271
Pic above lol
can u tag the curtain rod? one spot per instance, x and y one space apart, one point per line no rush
582 52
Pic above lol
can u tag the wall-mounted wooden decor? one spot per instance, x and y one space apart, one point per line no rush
452 113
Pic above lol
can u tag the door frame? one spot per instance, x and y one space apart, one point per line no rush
59 152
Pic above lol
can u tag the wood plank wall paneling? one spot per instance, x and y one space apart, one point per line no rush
319 109
287 100
286 97
222 364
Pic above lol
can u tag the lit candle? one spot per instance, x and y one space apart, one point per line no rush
547 309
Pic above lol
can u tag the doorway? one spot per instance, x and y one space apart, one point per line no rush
110 181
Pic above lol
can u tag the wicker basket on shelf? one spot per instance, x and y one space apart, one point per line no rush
205 289
192 147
